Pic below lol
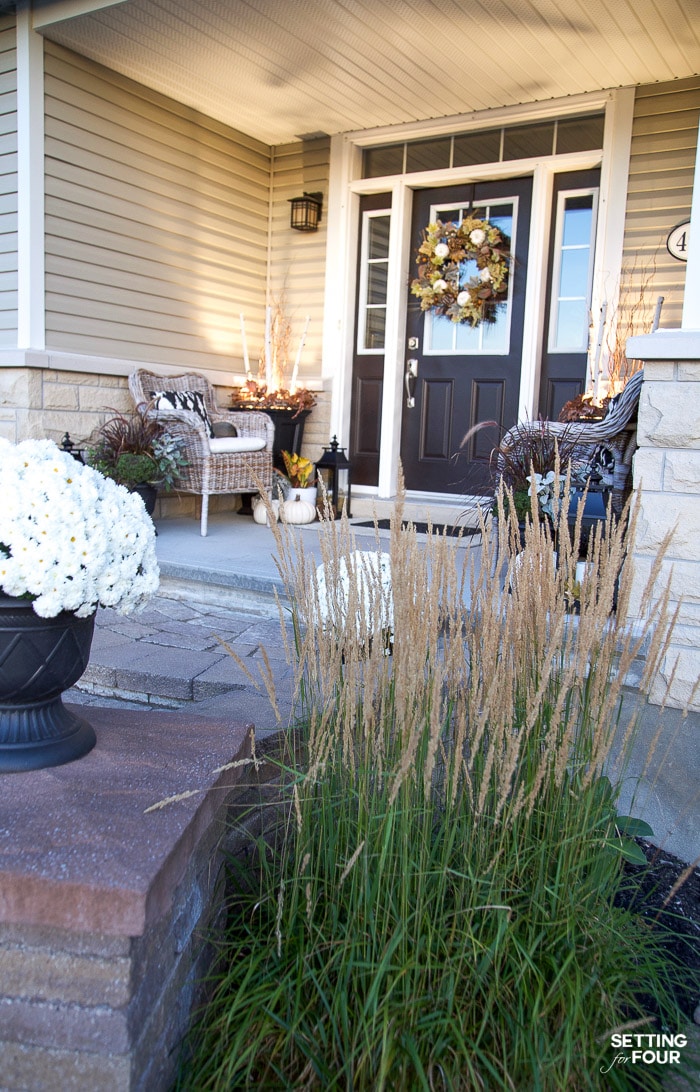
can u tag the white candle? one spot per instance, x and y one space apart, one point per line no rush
245 349
268 347
302 340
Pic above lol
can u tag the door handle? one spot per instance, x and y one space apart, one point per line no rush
410 382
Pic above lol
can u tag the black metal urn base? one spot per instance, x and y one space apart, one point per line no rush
40 658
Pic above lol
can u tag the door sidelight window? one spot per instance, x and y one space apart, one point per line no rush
374 268
572 277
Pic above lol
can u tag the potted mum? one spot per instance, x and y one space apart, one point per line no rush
70 540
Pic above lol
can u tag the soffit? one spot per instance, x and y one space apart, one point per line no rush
276 69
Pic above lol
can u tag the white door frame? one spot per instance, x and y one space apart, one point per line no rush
345 189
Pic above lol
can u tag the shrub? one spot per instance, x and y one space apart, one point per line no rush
438 908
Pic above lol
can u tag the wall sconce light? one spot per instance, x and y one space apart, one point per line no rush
306 211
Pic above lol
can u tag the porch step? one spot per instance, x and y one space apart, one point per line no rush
217 586
422 508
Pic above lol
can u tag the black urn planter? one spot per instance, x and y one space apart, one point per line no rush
39 659
289 430
289 433
148 494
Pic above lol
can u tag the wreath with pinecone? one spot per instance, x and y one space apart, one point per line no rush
442 285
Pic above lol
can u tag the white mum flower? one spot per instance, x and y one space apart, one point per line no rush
439 285
74 538
463 299
442 251
362 581
485 275
477 236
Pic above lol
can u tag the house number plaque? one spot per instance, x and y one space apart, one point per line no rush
677 242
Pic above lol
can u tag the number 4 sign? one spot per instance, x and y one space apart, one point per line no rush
677 242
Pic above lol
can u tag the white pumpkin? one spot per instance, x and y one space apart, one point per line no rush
260 513
296 510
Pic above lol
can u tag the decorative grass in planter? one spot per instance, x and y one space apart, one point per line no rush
440 908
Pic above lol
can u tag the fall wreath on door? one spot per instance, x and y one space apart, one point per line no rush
443 284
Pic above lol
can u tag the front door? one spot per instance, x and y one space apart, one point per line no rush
456 376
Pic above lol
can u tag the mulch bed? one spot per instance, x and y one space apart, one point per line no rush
646 894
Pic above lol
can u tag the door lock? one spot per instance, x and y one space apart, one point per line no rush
410 382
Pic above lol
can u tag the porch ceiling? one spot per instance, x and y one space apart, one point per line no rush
277 69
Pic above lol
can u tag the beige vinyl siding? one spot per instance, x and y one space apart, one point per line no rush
660 190
8 184
156 223
298 259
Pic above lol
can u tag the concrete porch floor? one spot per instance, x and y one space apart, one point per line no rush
221 589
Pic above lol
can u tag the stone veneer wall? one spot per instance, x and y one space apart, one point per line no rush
110 913
46 403
83 1010
667 466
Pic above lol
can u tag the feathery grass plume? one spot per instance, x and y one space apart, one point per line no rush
439 910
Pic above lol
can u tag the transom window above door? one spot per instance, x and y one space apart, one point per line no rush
559 136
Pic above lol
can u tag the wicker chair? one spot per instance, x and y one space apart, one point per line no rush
616 432
210 472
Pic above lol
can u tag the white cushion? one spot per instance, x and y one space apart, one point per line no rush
226 445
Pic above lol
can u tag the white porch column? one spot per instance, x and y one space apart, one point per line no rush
691 300
667 467
31 326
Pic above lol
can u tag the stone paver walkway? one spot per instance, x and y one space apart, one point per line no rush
174 654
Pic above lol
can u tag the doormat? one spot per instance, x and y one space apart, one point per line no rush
422 528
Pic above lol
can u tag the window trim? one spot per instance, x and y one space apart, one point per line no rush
514 203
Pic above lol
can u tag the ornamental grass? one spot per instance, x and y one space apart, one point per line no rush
434 905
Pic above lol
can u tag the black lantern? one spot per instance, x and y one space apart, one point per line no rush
333 461
306 211
69 447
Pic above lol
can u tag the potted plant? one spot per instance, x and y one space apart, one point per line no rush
301 474
137 452
285 402
536 458
70 540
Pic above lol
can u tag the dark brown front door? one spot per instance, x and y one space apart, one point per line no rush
456 376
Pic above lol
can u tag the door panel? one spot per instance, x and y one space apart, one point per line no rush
556 391
367 422
436 419
488 403
464 376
